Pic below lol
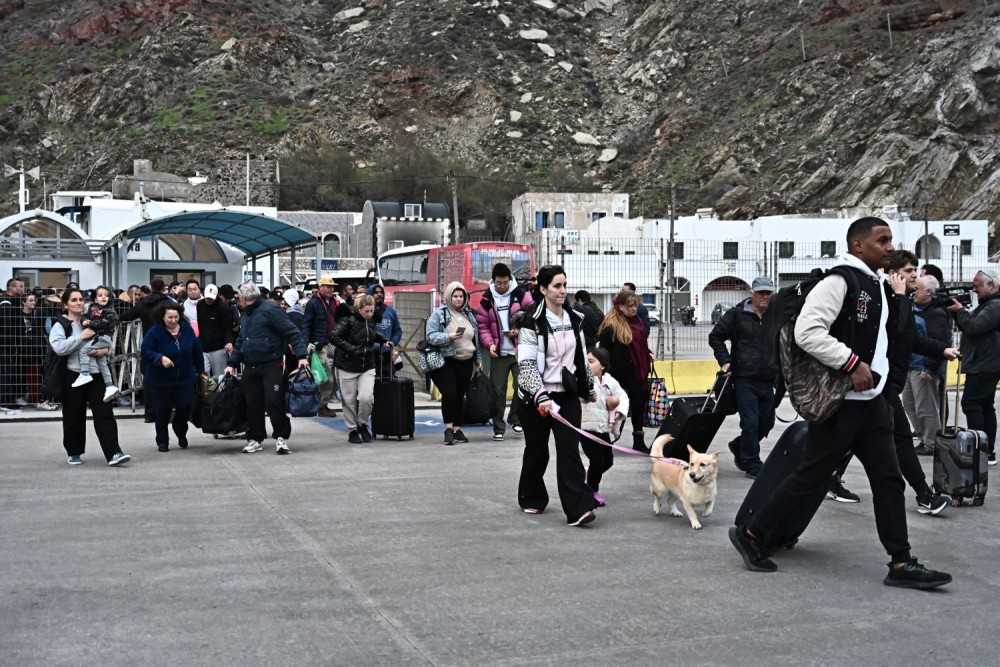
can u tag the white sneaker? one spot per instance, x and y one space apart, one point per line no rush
110 393
22 401
10 412
252 446
47 406
83 379
282 447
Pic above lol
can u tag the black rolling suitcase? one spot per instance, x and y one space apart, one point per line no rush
695 421
961 461
393 413
781 462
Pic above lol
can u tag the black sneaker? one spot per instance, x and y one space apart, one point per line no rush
840 494
734 447
366 436
449 437
750 550
752 473
459 436
992 459
915 575
182 443
354 437
931 503
923 450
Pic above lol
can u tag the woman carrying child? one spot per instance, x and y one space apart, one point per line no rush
100 316
602 418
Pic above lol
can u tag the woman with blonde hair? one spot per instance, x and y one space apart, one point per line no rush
356 342
624 336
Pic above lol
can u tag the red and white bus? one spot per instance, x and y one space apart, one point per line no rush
423 268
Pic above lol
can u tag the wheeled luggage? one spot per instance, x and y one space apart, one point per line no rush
393 412
961 461
695 421
784 458
225 411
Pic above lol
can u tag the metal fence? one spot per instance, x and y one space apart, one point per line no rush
24 339
708 276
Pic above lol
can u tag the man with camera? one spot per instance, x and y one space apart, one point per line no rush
920 393
981 356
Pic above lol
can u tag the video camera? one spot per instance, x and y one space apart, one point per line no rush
960 293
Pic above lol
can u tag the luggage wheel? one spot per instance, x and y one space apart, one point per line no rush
978 501
215 436
957 502
411 436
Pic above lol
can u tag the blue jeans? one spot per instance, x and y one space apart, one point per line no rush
755 402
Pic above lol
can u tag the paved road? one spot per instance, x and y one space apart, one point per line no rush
399 553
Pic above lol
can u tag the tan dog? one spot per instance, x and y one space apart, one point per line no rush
694 486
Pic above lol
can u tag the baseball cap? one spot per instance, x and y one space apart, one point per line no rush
211 291
327 280
227 291
762 284
291 297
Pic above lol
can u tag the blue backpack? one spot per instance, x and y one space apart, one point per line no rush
302 396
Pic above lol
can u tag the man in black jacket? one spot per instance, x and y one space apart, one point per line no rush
751 369
317 326
981 356
215 330
265 334
592 316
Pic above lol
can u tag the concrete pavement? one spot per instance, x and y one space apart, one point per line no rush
399 553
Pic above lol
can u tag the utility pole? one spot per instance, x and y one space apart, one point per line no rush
926 248
22 192
673 280
454 202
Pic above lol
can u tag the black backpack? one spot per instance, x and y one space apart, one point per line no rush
779 322
54 366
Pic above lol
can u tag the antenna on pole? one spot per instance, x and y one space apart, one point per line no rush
22 193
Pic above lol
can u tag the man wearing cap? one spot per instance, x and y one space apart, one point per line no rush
980 347
749 364
215 330
317 325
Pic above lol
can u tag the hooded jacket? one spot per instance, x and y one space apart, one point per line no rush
488 317
355 340
265 333
437 323
386 320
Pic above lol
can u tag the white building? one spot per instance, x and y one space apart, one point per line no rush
716 260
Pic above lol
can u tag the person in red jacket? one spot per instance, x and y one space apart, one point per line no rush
498 336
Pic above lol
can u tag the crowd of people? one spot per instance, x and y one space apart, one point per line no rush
578 375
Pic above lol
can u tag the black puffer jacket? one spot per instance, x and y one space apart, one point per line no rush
265 334
750 358
355 340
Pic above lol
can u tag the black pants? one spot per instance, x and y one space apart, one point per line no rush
864 428
902 438
452 380
166 399
601 458
262 387
574 494
978 404
638 397
74 413
755 402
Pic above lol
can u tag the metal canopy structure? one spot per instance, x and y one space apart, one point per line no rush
254 234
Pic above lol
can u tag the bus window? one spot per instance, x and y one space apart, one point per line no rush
484 260
409 269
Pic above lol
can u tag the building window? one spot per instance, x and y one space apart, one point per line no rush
966 246
331 245
560 219
786 249
593 252
597 215
678 250
413 210
730 250
541 220
620 215
828 248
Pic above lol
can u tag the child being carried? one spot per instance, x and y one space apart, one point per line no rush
100 316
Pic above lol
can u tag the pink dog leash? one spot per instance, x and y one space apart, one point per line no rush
625 450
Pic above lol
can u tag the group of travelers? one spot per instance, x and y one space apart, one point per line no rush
579 375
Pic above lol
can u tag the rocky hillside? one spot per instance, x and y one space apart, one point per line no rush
750 106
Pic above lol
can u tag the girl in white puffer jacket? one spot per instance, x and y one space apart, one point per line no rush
603 418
